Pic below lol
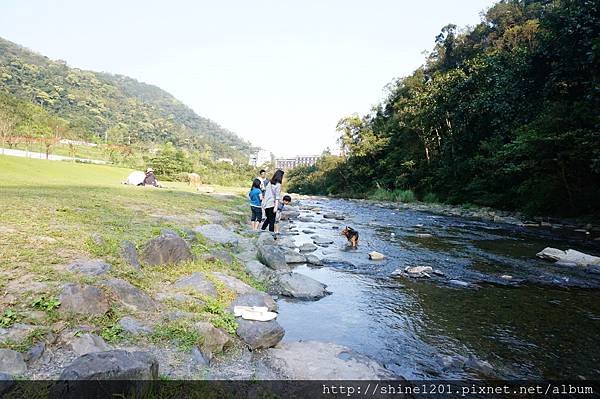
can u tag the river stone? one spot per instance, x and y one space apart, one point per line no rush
93 267
308 247
459 283
312 360
123 369
35 352
294 257
130 296
308 231
214 340
418 271
11 362
198 357
219 234
374 255
133 326
17 333
333 216
314 260
288 214
570 255
197 282
272 256
259 334
299 286
265 238
322 240
88 343
83 299
234 284
261 299
129 254
166 249
285 242
259 271
222 256
306 219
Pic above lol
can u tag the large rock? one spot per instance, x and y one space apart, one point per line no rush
308 247
272 256
90 267
259 271
214 340
125 374
129 254
570 256
311 360
130 296
88 343
83 299
313 260
133 326
259 334
219 234
258 299
294 257
11 362
197 282
168 248
335 216
234 284
319 240
299 286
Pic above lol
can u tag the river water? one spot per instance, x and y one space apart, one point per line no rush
544 327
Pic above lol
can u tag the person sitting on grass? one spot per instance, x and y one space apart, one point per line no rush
284 201
150 179
256 197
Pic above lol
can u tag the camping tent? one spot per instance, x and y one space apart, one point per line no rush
136 178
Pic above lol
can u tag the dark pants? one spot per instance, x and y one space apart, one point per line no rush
270 219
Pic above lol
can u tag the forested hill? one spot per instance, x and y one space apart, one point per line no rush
504 114
111 107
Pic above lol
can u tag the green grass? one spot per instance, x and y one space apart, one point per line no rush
55 212
382 194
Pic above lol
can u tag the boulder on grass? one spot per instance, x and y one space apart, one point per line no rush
89 267
83 299
214 340
130 296
197 282
259 334
168 248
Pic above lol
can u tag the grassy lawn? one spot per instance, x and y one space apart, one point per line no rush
52 213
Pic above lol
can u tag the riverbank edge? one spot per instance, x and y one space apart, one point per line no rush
589 224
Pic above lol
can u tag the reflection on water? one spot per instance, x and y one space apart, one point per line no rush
524 332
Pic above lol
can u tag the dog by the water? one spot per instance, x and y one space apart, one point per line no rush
351 235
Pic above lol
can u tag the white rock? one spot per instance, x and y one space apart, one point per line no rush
568 257
376 255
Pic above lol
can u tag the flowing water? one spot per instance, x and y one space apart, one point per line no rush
545 327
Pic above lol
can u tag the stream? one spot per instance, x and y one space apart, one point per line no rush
541 323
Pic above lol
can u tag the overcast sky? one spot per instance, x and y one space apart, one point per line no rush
279 73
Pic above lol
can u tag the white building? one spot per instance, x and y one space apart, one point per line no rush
259 158
300 160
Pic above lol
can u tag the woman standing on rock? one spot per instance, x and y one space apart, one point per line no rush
271 199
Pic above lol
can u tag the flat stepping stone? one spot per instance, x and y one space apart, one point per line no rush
89 267
308 247
130 296
83 299
197 282
299 286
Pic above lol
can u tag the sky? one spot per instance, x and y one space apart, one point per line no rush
279 73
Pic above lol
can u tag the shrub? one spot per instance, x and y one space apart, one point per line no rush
404 196
431 198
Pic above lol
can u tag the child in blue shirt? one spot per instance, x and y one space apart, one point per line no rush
256 197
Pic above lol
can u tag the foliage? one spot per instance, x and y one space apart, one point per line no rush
222 319
184 335
112 333
100 107
503 114
8 318
47 304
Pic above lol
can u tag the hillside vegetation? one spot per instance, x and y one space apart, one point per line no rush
504 114
43 98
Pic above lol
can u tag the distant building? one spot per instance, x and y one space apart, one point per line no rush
300 160
259 158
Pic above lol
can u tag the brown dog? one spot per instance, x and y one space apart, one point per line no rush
351 235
